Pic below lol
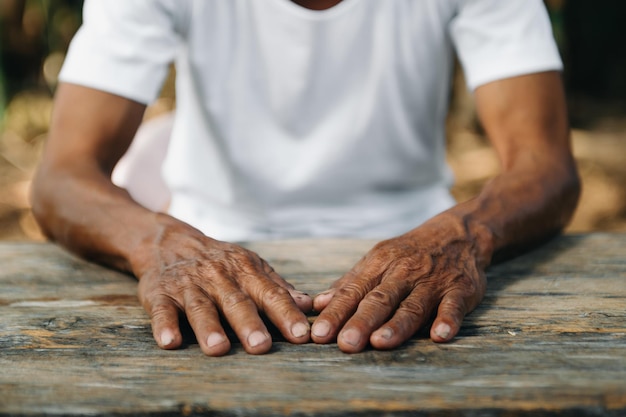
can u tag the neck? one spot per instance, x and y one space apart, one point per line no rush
317 4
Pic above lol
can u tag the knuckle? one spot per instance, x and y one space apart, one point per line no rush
454 305
344 303
349 276
413 267
233 300
376 306
403 266
243 256
210 269
274 295
161 311
469 285
350 291
337 315
380 298
394 248
415 309
231 261
196 306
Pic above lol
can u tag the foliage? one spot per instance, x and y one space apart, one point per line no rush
34 35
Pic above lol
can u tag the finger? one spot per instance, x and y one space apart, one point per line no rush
344 302
376 308
279 306
243 316
205 322
163 313
410 316
321 300
450 314
302 300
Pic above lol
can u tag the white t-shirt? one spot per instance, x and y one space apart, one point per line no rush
293 122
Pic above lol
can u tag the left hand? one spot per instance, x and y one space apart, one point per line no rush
397 286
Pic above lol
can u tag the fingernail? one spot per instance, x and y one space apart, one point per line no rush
167 337
256 338
386 333
351 337
215 339
321 328
300 329
443 330
323 297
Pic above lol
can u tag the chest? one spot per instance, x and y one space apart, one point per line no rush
280 39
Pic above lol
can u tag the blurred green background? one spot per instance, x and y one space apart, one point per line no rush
34 35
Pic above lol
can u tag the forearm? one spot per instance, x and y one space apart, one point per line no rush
73 197
81 209
439 267
517 209
180 270
535 195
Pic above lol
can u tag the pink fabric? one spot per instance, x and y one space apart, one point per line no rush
139 170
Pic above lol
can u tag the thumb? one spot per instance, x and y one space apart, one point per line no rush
322 299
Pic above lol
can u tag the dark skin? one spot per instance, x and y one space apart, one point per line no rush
317 4
436 269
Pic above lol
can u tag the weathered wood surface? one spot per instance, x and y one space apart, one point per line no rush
549 339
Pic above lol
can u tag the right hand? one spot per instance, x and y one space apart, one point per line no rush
184 271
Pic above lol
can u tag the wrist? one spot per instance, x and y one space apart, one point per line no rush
166 237
453 227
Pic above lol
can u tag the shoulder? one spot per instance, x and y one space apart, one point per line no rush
498 39
166 14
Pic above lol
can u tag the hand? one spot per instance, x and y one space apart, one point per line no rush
187 272
395 289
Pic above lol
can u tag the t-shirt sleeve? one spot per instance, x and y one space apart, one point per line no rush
497 39
124 47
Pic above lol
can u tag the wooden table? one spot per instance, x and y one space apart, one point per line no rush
549 339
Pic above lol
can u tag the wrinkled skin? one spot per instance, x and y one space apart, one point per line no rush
396 288
206 279
433 271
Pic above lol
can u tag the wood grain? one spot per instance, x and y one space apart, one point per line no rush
548 340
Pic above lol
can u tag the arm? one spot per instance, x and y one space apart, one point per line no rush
438 268
179 269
